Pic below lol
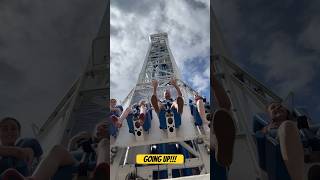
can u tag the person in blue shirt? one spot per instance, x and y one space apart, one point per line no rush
285 130
115 112
10 130
159 104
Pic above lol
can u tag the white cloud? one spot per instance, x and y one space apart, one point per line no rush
207 72
200 82
185 21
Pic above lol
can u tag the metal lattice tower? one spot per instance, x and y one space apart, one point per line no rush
159 64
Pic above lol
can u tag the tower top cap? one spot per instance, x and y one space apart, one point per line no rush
158 37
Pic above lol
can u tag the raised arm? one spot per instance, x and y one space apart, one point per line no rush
155 86
173 82
221 97
17 152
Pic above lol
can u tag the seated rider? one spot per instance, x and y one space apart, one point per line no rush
202 112
10 130
59 157
115 111
283 128
200 107
140 108
160 105
117 116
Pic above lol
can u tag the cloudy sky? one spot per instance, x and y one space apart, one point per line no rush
278 42
44 45
187 25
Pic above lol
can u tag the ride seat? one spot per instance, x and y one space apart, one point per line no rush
135 114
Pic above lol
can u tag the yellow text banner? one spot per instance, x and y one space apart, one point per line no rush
159 159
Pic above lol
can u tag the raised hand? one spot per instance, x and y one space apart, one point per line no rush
155 83
173 82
